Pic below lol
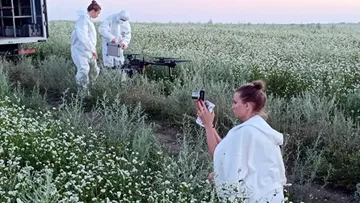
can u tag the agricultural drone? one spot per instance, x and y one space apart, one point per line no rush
132 64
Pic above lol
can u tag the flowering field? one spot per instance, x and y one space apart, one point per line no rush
43 159
57 147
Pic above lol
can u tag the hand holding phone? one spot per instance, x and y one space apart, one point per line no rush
205 113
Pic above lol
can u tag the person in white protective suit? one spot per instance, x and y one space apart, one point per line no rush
115 29
83 47
248 164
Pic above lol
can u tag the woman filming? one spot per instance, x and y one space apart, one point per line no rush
248 165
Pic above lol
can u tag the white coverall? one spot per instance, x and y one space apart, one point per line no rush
83 45
248 164
116 27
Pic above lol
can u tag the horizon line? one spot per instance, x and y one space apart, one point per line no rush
218 22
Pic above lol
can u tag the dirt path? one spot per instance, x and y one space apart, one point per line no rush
311 193
168 134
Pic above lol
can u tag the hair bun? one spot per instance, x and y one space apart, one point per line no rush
259 84
94 2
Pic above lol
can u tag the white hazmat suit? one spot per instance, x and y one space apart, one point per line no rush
83 45
116 27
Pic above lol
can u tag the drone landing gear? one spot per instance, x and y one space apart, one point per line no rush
130 72
170 76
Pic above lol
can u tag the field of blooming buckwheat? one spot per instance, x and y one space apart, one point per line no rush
58 147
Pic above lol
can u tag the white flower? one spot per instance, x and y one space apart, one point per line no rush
18 200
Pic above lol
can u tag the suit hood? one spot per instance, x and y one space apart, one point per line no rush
82 13
123 15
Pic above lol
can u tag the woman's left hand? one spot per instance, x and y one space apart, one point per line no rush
203 113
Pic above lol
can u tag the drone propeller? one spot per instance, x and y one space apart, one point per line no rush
171 61
134 54
131 56
166 58
180 60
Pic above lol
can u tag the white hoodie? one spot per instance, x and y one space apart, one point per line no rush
249 161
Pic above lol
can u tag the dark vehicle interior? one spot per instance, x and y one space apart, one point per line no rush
21 18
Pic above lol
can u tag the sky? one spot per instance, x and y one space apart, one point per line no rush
225 11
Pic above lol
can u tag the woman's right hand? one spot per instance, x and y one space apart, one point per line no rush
113 41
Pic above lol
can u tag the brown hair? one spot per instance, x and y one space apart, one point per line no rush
94 6
252 92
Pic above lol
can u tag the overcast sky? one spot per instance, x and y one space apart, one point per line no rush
243 11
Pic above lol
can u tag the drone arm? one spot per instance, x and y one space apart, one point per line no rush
104 30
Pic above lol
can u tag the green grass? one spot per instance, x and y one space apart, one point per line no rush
312 75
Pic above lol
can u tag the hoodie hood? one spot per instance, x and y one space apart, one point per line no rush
123 15
259 123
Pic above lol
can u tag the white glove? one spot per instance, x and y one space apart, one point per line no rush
210 106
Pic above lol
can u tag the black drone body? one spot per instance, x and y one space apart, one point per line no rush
134 64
